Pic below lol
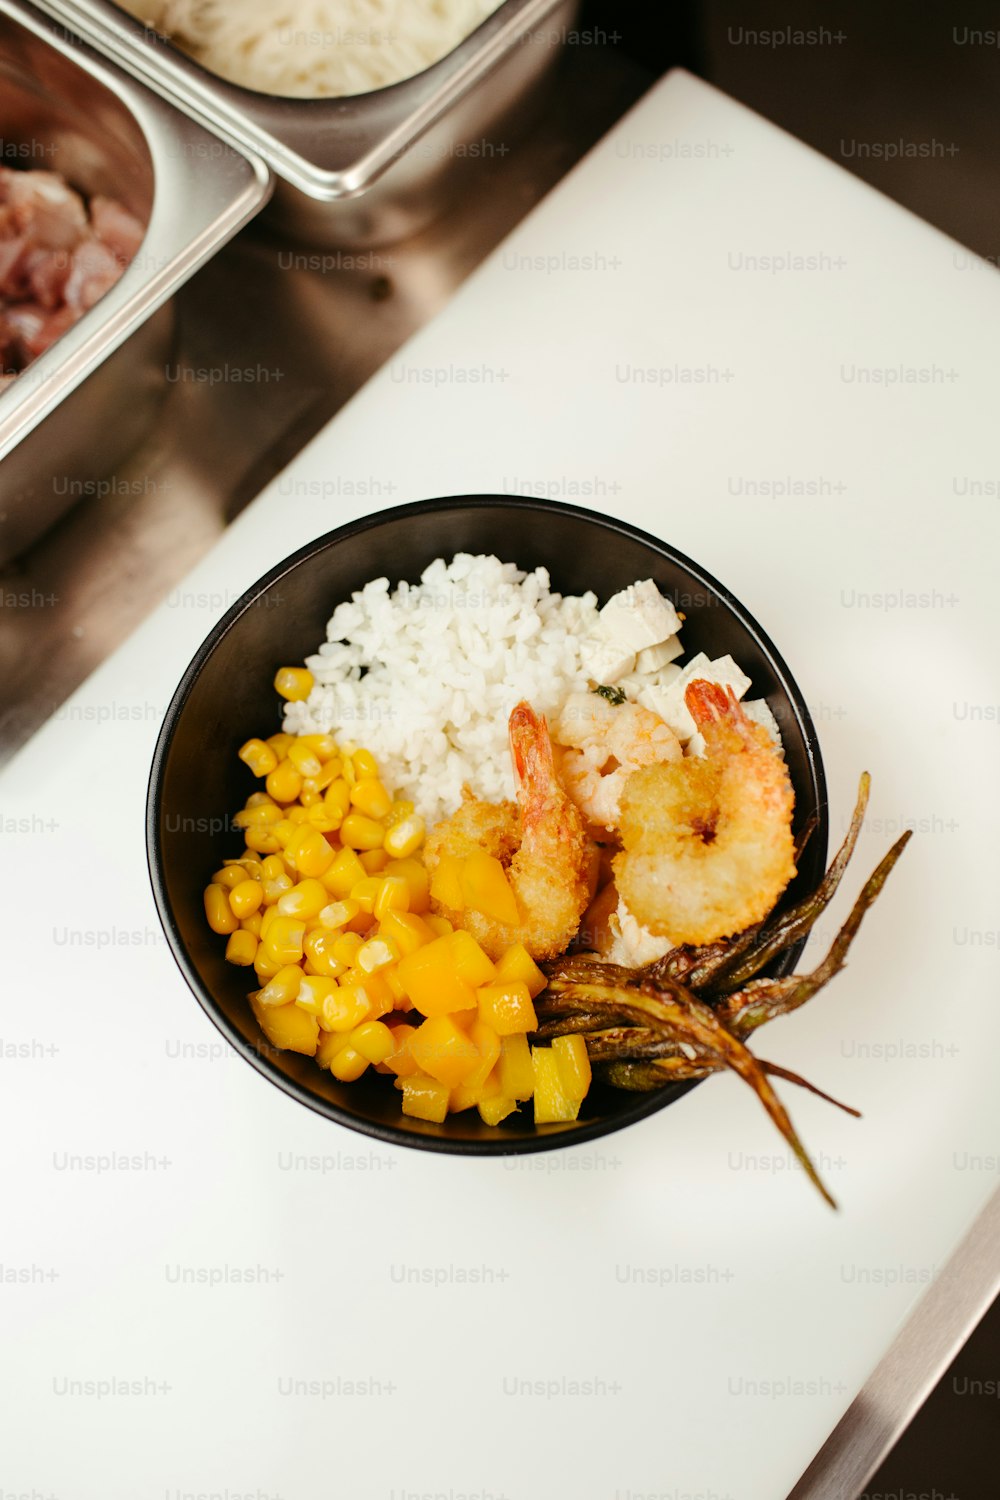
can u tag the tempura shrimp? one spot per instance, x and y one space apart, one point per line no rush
605 742
541 840
707 840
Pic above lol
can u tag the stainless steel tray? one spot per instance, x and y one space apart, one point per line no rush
75 412
371 168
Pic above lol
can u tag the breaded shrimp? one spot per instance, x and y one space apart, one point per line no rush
541 841
604 743
707 840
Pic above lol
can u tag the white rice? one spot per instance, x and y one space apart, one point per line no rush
313 49
425 676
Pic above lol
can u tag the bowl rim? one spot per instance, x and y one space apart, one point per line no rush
258 1056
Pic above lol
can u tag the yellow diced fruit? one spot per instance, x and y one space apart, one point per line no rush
446 883
343 874
305 900
287 1026
481 1081
293 683
408 931
337 798
374 1041
570 1053
400 1060
241 948
310 852
417 878
517 1075
283 939
517 963
485 888
374 860
313 991
371 798
472 964
365 765
346 1007
432 981
444 1051
493 1110
229 877
218 911
438 925
400 999
359 832
425 1098
283 988
393 895
245 898
318 950
551 1101
348 1064
507 1007
404 838
259 756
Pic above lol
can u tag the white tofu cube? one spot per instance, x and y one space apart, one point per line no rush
638 617
652 658
606 661
674 710
756 709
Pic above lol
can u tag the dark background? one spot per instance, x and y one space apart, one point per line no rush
897 73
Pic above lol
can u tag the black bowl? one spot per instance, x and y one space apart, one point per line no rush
227 697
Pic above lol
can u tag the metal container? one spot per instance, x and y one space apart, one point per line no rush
76 411
371 168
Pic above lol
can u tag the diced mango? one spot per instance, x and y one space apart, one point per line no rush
400 1059
444 1051
432 981
425 1098
574 1065
440 926
517 963
485 888
472 964
482 1081
517 1075
507 1007
496 1108
287 1027
446 882
551 1102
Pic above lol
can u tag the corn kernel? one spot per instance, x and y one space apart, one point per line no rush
346 1007
400 1060
294 683
348 1065
366 892
343 874
321 818
338 797
284 783
365 765
312 992
218 912
399 810
405 838
245 898
283 987
374 860
400 999
264 967
252 924
408 931
283 939
305 900
287 1026
241 948
275 889
417 878
280 744
346 948
393 895
328 773
359 832
317 948
262 841
324 745
262 815
230 876
297 814
310 852
259 756
371 798
253 866
309 798
377 953
330 1043
440 926
373 1040
337 914
304 759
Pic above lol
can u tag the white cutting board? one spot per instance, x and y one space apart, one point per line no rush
761 1312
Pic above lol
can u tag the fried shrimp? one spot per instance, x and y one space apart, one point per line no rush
540 840
604 743
707 840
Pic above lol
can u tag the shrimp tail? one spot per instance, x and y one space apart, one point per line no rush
531 753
